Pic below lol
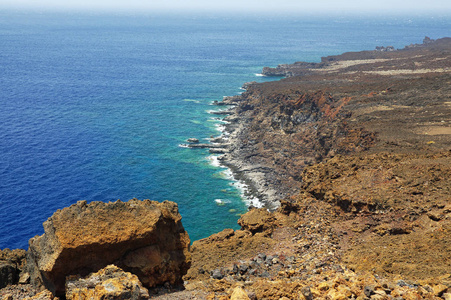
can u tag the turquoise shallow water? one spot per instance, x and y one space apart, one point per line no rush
94 106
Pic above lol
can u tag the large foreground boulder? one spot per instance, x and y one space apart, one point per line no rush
145 238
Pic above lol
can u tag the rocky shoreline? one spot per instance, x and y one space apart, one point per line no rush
234 156
255 176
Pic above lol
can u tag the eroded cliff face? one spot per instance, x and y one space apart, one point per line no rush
145 238
393 211
285 127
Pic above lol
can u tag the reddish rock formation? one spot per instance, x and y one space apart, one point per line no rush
145 238
348 104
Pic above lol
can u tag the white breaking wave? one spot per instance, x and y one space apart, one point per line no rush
243 188
214 119
222 201
214 161
220 127
245 194
240 186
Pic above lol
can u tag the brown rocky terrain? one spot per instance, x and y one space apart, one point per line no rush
352 158
358 149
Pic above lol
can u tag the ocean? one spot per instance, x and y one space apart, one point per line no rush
94 106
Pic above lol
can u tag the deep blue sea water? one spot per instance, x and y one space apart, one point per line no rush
94 106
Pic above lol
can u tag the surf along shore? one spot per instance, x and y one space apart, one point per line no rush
352 159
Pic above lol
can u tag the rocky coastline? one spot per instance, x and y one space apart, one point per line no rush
233 155
259 178
351 158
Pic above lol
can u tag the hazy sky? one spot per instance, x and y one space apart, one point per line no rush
293 6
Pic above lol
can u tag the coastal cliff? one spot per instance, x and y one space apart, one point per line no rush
351 158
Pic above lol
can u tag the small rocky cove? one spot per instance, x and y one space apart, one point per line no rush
351 158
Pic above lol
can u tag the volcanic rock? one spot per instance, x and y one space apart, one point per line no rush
209 146
109 283
229 100
357 149
145 238
217 151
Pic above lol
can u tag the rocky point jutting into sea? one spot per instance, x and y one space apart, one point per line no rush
352 159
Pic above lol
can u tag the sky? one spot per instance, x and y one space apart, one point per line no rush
253 6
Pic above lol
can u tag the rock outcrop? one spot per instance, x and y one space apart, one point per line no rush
109 283
8 274
288 70
145 238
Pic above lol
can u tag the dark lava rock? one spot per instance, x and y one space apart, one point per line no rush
11 264
235 269
243 269
217 274
265 274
